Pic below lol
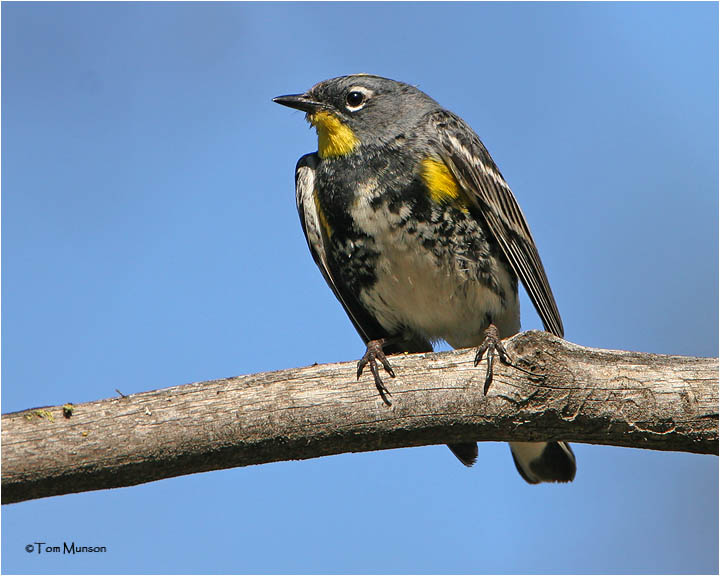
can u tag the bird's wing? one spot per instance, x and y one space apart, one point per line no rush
484 187
366 326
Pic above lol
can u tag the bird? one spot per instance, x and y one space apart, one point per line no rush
419 236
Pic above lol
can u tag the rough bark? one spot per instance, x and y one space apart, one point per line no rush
584 395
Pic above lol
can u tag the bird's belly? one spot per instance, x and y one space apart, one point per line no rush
437 294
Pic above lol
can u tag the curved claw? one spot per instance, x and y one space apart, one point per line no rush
491 345
374 353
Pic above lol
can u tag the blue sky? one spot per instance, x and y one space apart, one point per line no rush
150 239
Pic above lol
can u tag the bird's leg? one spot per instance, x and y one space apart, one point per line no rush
492 345
374 353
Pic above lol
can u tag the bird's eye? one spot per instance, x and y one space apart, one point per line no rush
355 99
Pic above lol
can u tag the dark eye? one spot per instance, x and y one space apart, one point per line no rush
355 99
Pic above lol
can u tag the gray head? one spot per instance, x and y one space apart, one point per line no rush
359 110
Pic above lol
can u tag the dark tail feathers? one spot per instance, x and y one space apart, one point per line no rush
536 461
467 452
544 461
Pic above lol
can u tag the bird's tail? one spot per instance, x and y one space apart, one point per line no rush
544 461
536 461
467 452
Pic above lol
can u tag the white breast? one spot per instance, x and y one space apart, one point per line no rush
413 291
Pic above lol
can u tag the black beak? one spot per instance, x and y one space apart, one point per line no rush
299 102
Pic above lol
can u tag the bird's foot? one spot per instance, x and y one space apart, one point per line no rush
374 353
493 345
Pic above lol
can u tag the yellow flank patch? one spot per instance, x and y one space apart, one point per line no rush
440 182
334 137
321 215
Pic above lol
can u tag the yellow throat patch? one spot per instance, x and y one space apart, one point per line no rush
334 137
441 183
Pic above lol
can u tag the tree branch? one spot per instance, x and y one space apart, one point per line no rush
585 395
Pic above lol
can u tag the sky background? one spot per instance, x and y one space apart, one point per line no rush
150 239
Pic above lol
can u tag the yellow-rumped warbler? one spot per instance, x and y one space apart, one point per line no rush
418 235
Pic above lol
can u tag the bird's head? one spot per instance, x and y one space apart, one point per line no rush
359 110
